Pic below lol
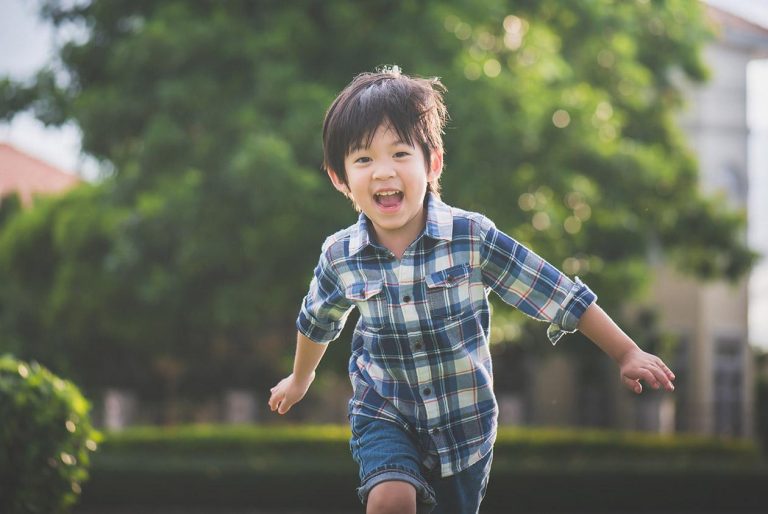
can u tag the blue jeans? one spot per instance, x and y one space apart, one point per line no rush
385 451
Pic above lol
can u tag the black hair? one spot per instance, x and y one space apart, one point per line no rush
413 107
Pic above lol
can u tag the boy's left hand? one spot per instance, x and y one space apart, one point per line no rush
637 365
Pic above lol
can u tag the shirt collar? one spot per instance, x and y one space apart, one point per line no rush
439 225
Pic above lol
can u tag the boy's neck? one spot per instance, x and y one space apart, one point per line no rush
398 242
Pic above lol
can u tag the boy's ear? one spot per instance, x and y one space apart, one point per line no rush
337 182
435 165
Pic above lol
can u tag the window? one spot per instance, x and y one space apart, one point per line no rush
728 385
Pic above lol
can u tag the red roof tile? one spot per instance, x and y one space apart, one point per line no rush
27 175
739 22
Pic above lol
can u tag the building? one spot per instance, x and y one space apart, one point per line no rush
28 176
715 393
713 362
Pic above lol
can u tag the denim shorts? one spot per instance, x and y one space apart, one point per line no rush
386 451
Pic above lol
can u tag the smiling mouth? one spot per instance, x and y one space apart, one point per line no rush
388 199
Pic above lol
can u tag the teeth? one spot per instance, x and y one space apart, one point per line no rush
388 193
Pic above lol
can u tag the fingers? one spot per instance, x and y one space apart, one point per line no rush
284 407
655 373
279 404
646 375
274 400
278 401
668 372
632 384
277 397
662 375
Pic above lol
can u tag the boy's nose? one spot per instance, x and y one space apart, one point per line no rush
384 170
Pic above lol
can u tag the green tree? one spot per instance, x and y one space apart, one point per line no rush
199 250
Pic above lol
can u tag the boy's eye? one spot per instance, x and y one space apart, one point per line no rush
402 154
362 160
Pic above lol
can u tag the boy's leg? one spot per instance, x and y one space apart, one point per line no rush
394 496
389 457
462 493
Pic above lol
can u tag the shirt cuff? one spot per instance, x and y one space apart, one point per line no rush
575 304
321 333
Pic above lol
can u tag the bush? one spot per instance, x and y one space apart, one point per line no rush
45 439
576 449
519 448
310 467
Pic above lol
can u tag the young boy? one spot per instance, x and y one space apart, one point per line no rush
423 413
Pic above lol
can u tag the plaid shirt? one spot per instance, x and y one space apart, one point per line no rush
420 353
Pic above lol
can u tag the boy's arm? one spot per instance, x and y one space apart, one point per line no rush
323 314
293 388
529 283
634 363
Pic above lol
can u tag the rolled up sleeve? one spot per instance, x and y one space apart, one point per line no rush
325 309
526 281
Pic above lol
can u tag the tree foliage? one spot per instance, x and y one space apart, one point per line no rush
186 268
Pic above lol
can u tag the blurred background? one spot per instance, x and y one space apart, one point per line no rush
162 208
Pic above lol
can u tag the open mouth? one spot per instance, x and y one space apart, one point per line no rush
388 199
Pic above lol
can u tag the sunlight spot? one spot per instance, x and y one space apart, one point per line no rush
604 111
492 68
572 225
583 211
573 199
561 118
526 201
486 41
513 24
605 58
451 22
571 266
541 221
472 71
463 31
513 40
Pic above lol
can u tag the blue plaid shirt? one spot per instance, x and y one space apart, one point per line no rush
420 353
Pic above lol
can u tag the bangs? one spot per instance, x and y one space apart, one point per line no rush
374 107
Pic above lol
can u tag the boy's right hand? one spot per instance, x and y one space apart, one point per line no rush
288 392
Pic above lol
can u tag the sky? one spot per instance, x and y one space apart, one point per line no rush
26 45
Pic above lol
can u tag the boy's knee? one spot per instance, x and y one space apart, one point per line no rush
393 497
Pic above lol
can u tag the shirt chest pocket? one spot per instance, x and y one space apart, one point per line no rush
370 301
448 293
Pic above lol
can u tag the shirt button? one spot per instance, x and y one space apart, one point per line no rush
427 391
406 299
450 278
435 431
417 345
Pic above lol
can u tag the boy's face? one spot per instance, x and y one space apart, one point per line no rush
390 166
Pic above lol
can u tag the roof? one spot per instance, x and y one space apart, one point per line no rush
740 32
27 175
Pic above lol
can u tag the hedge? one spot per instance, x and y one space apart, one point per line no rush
534 470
